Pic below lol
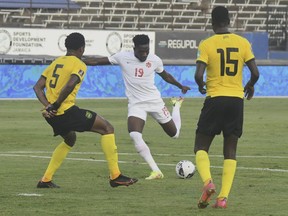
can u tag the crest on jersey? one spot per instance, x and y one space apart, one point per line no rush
88 115
148 64
81 73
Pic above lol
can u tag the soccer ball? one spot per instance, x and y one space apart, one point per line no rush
185 169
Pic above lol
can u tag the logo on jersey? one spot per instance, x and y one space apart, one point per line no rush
88 115
81 73
148 64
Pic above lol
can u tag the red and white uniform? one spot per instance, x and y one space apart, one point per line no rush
139 79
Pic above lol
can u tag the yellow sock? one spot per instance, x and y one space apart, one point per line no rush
110 150
203 165
229 169
56 160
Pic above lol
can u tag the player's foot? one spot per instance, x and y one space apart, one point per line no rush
155 175
49 184
208 191
220 203
178 101
122 180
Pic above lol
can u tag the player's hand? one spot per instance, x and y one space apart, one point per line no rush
249 91
46 114
50 110
201 89
184 89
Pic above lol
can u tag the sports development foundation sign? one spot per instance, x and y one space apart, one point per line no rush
26 41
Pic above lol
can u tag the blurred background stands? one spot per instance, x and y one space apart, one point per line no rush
158 15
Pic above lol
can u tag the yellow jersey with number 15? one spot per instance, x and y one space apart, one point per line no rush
57 75
225 56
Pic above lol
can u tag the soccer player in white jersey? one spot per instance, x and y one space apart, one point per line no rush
138 70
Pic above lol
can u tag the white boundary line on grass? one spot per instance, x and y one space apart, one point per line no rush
162 164
132 154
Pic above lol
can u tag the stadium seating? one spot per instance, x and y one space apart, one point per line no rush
246 15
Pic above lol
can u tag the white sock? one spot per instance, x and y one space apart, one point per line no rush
143 150
176 118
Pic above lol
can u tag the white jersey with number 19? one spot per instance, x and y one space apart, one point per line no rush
139 77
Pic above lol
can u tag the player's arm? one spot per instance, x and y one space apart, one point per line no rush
39 90
170 79
249 87
67 89
51 109
200 69
92 61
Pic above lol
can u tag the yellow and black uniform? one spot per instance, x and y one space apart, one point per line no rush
224 56
69 117
57 75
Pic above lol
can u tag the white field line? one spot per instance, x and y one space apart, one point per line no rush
133 154
29 194
131 162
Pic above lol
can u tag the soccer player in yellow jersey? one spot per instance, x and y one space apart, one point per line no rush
223 56
56 89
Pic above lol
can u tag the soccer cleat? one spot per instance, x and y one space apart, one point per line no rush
155 175
175 101
208 191
220 203
49 184
122 180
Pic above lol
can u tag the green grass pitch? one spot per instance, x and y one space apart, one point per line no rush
27 142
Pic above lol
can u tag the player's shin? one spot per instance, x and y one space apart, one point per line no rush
229 169
57 158
110 150
203 165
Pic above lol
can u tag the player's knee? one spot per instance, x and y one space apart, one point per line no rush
70 139
139 143
108 129
135 136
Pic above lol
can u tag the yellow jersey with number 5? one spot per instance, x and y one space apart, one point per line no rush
224 56
57 75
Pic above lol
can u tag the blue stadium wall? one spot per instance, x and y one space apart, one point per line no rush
16 81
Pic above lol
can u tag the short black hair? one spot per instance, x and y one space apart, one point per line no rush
220 15
74 41
141 40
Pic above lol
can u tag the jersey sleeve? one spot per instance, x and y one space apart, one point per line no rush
45 72
79 69
159 65
248 54
202 54
114 59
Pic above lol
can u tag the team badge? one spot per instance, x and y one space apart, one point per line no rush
88 115
81 72
148 64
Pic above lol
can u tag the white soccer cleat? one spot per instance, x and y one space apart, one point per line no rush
155 175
